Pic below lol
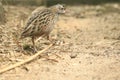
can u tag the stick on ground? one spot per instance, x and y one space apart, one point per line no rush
25 61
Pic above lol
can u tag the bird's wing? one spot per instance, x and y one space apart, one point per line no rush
39 18
35 14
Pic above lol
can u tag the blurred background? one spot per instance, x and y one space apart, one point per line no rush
48 3
52 2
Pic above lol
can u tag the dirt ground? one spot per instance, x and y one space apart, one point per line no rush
91 48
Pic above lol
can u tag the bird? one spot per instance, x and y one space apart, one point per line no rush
41 22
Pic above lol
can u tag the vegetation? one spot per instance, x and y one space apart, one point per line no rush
2 14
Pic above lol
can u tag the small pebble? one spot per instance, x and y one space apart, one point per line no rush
73 55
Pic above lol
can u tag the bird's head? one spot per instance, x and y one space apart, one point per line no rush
60 9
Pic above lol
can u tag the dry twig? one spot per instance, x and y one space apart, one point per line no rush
25 61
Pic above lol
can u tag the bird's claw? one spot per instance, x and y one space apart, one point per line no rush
57 42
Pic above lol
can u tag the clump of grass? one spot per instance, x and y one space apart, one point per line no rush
2 14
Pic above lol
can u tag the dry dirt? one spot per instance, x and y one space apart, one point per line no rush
91 48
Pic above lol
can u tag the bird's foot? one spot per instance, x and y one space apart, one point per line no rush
35 50
57 42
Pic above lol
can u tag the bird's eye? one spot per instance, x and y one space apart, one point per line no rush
62 8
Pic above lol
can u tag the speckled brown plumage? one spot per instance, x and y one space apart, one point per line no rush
41 22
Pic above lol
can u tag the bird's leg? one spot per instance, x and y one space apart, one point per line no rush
49 38
53 41
35 50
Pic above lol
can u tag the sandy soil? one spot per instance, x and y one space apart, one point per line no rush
91 50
